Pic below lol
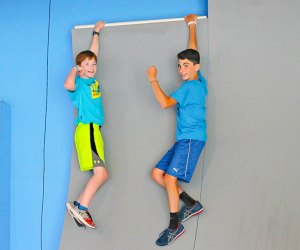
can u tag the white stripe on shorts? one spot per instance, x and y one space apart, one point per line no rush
187 160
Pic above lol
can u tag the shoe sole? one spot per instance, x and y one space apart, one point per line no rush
78 223
68 206
196 213
77 216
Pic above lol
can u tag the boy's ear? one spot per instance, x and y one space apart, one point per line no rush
197 67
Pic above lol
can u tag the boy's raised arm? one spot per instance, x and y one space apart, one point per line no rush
70 80
95 39
191 21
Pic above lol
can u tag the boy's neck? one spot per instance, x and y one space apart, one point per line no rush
195 77
86 77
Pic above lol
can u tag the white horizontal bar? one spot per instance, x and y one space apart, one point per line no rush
135 22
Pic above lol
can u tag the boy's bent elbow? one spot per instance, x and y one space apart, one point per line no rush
164 106
69 87
66 86
167 103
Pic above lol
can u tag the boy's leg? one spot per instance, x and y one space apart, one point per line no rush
188 210
175 228
99 177
182 166
90 151
173 195
158 173
190 207
158 176
81 212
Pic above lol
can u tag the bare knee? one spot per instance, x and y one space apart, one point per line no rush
170 180
106 176
101 174
157 174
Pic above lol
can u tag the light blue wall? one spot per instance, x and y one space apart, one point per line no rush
23 69
5 119
32 76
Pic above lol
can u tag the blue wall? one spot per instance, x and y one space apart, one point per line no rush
5 119
33 69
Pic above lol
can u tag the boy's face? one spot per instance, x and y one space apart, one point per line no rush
187 70
89 67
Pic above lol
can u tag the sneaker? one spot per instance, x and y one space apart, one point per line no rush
169 235
69 206
83 217
187 212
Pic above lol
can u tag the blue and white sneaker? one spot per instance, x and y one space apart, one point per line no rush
169 235
187 212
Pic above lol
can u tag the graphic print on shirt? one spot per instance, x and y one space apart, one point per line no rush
95 89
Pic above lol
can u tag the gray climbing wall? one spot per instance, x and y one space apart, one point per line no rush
251 166
251 176
131 210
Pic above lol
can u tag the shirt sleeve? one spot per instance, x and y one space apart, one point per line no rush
179 94
72 95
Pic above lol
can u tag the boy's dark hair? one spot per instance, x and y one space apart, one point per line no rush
84 55
190 54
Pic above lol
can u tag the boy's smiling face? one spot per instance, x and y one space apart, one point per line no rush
89 68
187 70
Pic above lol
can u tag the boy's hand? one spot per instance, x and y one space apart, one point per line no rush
152 72
99 26
191 18
80 71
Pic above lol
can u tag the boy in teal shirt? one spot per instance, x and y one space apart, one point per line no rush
86 95
180 161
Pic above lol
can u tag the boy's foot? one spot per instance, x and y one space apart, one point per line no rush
169 235
83 217
69 206
187 212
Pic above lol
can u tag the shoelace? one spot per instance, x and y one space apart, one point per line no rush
89 215
172 235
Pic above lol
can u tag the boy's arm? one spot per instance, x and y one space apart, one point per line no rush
70 81
164 100
191 21
95 39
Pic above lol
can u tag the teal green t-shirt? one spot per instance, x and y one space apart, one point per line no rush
87 98
191 109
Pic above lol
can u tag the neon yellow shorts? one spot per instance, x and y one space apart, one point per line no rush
90 146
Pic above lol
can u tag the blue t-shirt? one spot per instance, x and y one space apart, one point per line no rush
191 109
87 98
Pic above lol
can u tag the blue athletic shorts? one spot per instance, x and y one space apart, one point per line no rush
181 160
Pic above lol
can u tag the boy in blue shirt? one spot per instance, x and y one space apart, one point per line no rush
85 94
180 161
